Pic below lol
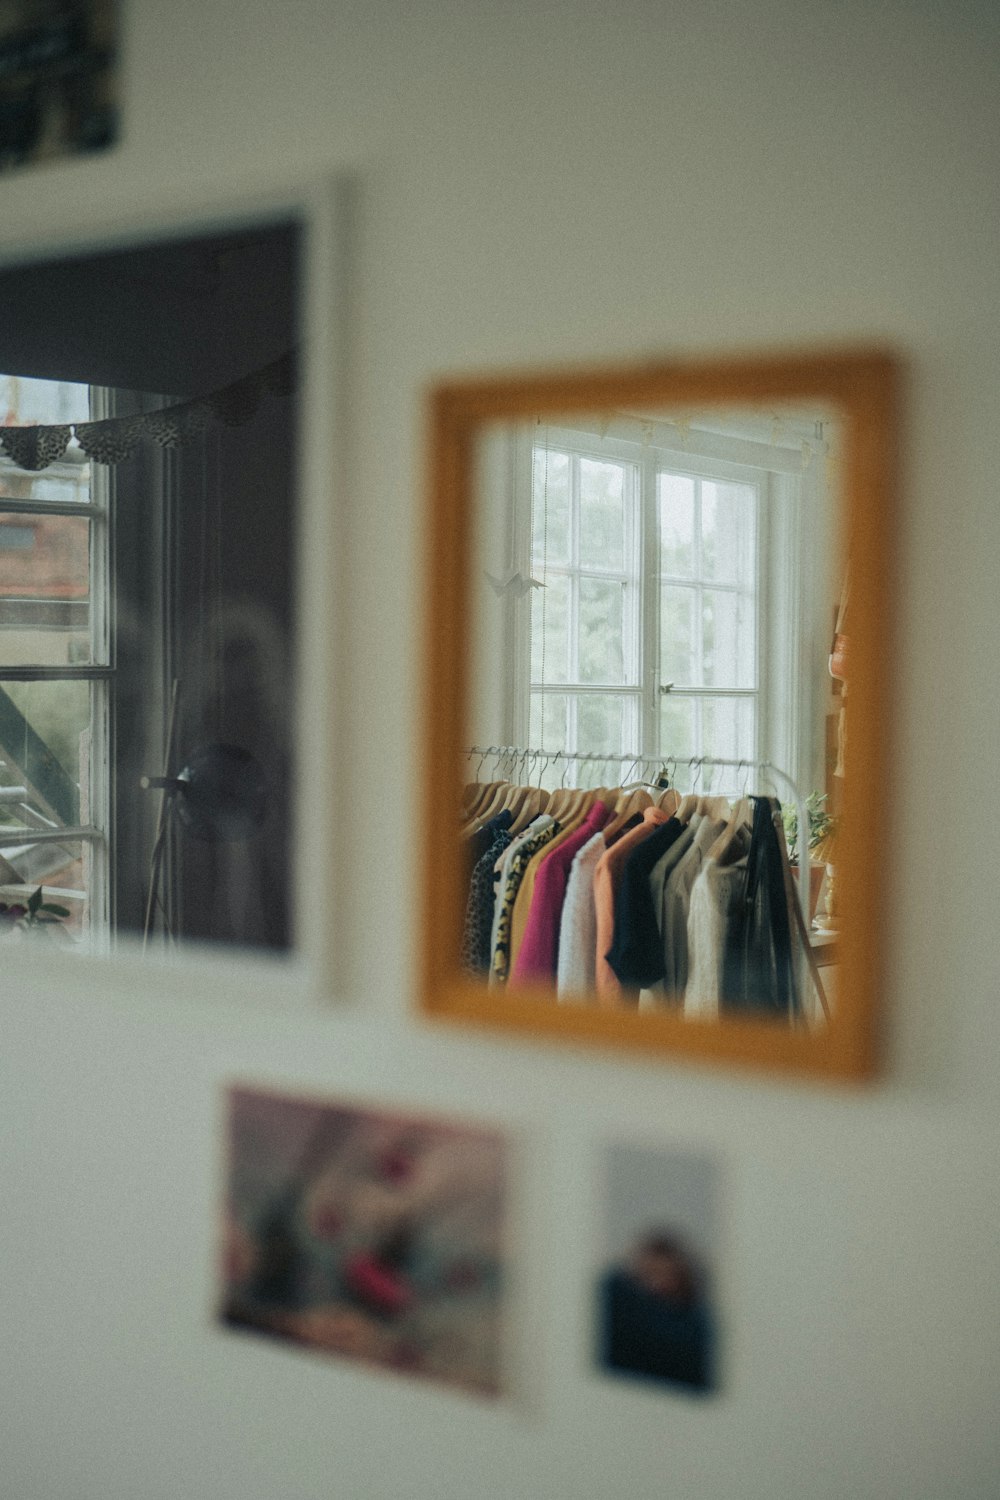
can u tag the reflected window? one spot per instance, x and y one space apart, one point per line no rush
654 573
54 673
148 458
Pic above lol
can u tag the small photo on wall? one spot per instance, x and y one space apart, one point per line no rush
58 78
656 1316
367 1234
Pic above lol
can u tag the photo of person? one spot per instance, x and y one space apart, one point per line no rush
655 1318
375 1236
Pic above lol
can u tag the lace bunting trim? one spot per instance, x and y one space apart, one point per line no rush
114 439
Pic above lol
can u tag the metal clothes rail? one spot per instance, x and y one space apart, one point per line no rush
520 758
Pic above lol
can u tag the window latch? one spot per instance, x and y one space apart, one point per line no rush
665 688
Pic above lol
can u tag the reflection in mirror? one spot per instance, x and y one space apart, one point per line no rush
147 526
670 777
654 717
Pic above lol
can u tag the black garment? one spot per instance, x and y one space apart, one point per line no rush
646 1334
478 843
758 971
636 952
476 946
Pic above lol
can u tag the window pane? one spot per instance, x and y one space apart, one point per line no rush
549 724
728 639
45 747
601 644
18 484
24 403
44 590
550 507
678 654
677 728
676 501
728 513
63 872
601 724
550 631
602 514
729 725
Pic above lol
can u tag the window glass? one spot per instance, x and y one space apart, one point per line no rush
550 630
727 639
549 720
676 503
601 631
677 727
45 749
550 518
679 661
44 590
601 723
728 727
602 514
62 870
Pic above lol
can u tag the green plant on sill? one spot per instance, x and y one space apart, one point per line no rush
822 825
27 918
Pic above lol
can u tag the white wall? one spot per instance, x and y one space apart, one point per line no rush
540 182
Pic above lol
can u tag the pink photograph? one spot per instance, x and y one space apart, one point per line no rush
378 1237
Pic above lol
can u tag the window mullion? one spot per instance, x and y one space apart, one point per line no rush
649 596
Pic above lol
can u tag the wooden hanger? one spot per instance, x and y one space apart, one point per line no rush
493 804
473 814
687 808
628 804
534 801
724 849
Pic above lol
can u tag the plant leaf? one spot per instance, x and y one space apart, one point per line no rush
34 901
58 911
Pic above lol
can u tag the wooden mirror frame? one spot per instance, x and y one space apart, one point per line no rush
863 387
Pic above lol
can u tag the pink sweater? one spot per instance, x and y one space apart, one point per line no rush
538 956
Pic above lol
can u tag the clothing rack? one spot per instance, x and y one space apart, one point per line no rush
520 758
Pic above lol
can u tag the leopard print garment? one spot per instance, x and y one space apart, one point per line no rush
500 964
475 950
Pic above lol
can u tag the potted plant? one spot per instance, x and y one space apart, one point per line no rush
19 919
822 835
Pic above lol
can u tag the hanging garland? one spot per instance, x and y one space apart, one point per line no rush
114 439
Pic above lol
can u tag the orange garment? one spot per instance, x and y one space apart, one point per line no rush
607 878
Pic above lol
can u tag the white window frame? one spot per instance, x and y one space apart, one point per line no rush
791 589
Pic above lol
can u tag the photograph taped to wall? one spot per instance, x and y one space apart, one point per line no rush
656 1318
58 79
368 1234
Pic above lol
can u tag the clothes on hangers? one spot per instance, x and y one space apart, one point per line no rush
636 952
651 918
718 891
503 869
507 896
538 957
758 973
607 878
677 904
577 947
481 904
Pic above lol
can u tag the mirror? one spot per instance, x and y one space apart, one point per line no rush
148 473
656 784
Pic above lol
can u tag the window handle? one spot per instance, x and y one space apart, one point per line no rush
665 688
